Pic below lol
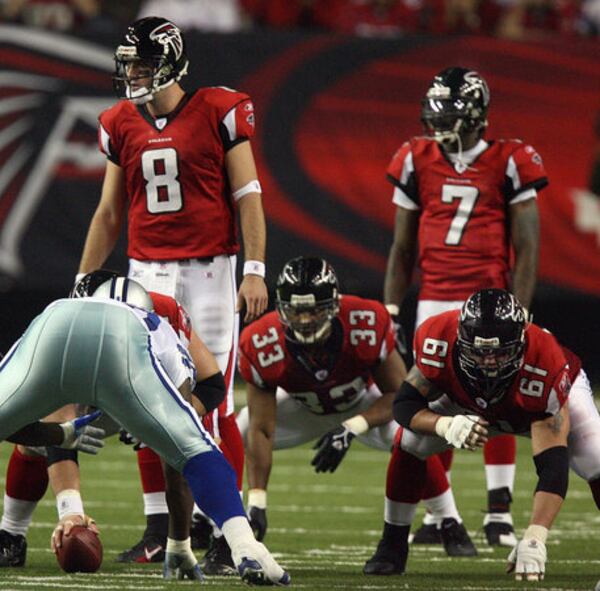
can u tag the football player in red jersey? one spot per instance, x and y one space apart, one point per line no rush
466 201
182 165
324 365
483 371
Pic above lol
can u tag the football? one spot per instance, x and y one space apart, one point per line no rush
81 551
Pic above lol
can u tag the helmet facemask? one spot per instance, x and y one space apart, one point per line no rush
309 320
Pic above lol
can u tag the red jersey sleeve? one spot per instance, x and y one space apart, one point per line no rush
235 113
178 318
524 171
262 352
401 173
433 343
108 137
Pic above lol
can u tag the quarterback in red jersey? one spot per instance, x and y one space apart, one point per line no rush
323 365
466 202
180 163
484 371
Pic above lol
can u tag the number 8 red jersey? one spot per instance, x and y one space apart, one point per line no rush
539 390
463 238
180 204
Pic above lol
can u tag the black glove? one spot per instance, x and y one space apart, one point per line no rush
128 439
400 335
258 522
332 448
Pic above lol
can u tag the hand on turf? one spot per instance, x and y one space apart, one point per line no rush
528 560
80 435
332 448
181 564
258 522
66 524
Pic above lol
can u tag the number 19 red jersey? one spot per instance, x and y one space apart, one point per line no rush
539 389
180 203
463 235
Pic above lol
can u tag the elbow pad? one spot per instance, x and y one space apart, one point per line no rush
552 467
407 403
211 391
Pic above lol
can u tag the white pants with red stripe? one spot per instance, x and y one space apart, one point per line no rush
207 290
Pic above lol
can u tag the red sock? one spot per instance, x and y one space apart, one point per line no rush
595 487
446 458
151 472
232 446
406 475
437 482
26 477
500 450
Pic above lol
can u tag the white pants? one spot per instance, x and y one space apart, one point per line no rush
583 442
428 308
207 290
297 425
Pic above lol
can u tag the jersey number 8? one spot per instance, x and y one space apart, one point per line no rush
161 172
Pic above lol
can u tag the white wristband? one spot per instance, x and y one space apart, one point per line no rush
254 268
179 546
538 532
68 502
251 187
257 497
442 425
393 309
357 425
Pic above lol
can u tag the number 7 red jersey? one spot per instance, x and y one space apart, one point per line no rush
463 234
180 203
539 390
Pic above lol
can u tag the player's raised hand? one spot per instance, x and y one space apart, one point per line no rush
253 296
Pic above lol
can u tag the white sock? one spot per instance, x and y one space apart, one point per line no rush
499 476
238 534
429 519
396 513
155 502
443 506
17 515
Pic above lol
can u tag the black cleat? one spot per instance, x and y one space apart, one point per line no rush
217 560
13 549
387 560
200 532
148 549
455 538
427 534
499 530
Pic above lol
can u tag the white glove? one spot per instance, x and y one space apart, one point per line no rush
528 558
463 431
180 562
80 435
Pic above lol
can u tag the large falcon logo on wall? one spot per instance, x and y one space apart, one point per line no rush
52 89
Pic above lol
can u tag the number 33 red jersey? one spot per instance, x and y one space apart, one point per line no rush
180 205
463 236
362 337
539 390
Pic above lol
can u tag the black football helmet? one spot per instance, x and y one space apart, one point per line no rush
104 283
491 342
307 298
456 103
157 47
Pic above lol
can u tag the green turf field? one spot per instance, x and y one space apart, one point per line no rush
322 528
